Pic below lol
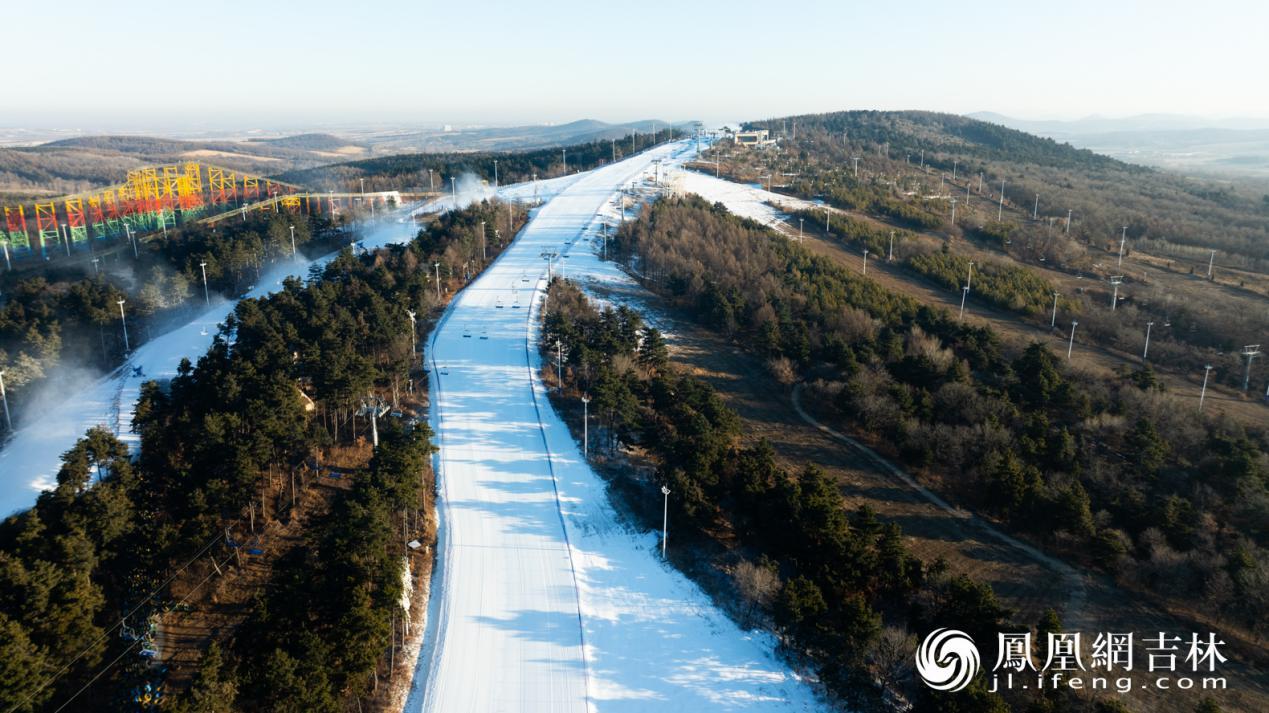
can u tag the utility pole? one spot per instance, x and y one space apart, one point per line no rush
1146 351
1070 346
1115 281
1207 370
4 397
585 426
1251 351
964 294
206 295
665 520
1123 237
1053 320
1000 212
124 321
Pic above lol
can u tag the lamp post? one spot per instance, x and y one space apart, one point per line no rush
293 238
414 339
665 520
1071 345
890 255
800 222
437 265
495 174
1146 351
124 321
559 365
206 295
865 270
1053 320
964 294
1207 370
453 187
483 254
1123 237
585 426
8 420
969 277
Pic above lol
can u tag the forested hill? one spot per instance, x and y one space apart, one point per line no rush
428 170
910 132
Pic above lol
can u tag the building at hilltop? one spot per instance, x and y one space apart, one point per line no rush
757 138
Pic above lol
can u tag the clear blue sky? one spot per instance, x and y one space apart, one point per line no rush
239 64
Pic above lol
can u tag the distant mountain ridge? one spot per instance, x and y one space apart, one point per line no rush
1176 142
1140 122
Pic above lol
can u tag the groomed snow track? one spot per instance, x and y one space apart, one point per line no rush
541 600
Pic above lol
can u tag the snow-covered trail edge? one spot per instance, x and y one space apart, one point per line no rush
653 640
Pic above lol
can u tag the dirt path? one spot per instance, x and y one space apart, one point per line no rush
1023 577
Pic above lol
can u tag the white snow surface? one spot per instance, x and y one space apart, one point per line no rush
751 202
30 460
543 599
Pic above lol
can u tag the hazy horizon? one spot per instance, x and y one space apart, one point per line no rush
193 68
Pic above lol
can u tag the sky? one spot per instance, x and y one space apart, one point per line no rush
234 64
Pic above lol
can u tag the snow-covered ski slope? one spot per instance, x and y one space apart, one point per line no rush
29 461
542 600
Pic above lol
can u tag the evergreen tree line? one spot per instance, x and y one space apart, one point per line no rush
63 319
1106 470
104 545
424 171
828 581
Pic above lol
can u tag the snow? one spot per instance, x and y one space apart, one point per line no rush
751 202
543 600
30 460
